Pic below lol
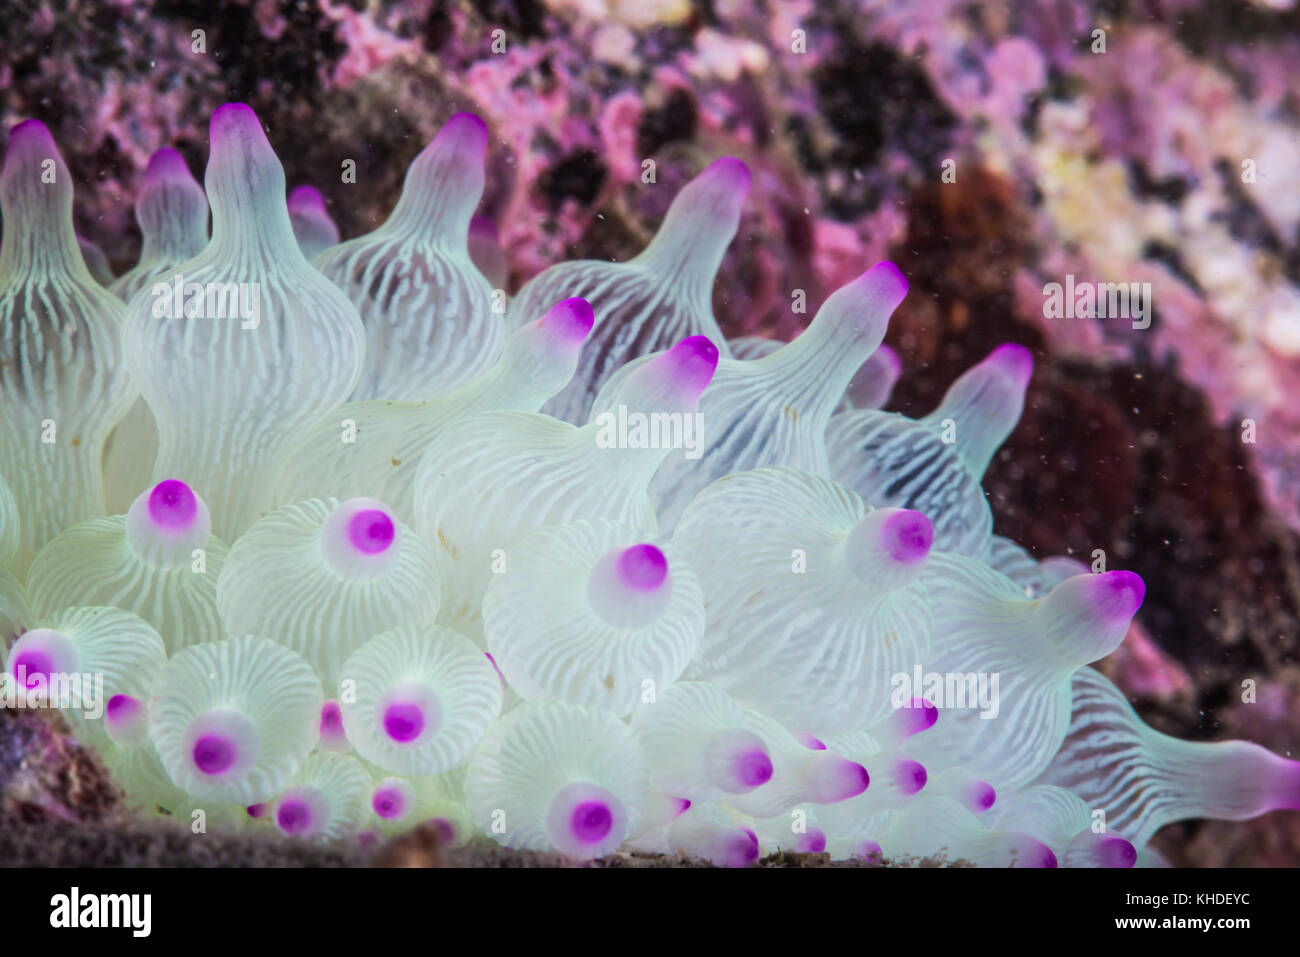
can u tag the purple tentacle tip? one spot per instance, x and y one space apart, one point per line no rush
294 816
307 199
1116 852
172 505
32 665
693 362
403 721
388 803
810 741
1044 857
929 713
888 281
591 821
465 132
1015 360
911 776
31 137
1119 595
742 850
371 531
814 842
570 319
331 719
753 768
214 754
166 163
643 567
907 536
984 796
119 705
232 118
732 170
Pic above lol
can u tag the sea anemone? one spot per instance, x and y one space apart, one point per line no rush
787 626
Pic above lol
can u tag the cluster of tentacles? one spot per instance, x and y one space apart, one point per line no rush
569 571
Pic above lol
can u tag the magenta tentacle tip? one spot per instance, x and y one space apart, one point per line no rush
166 163
464 131
403 721
643 567
831 778
571 319
591 821
232 117
391 800
1045 857
294 816
693 362
173 505
214 754
31 135
1118 595
734 171
813 842
307 199
121 707
742 850
1016 360
889 281
1116 852
983 797
125 718
331 719
371 531
444 829
870 850
911 776
907 536
30 666
753 768
809 741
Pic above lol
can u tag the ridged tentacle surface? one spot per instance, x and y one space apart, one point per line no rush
558 776
273 345
802 623
234 720
282 579
1144 779
1004 663
63 385
550 619
774 410
657 298
486 484
372 448
428 312
93 564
